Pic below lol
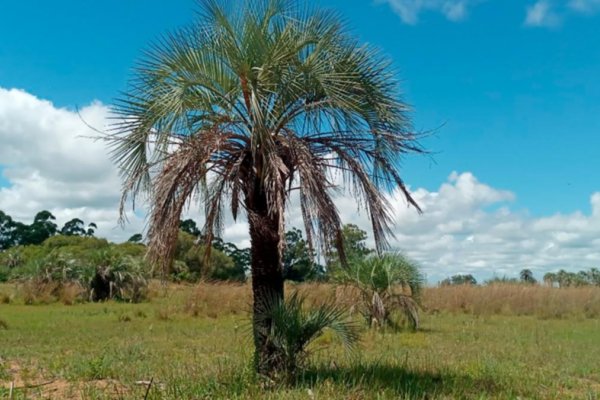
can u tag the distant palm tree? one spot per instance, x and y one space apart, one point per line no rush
594 276
254 101
550 278
564 278
378 279
527 276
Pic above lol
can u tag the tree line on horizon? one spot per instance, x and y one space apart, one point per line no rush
22 243
14 233
559 279
229 262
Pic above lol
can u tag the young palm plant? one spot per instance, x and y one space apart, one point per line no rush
387 283
293 327
257 99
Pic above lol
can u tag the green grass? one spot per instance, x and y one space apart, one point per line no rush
99 351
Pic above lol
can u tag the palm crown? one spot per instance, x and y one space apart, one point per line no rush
268 96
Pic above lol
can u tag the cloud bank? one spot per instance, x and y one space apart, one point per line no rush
552 13
467 226
410 10
540 13
51 163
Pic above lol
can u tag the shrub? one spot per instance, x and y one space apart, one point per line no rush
71 293
293 328
386 283
81 242
124 279
130 249
71 275
53 277
35 291
4 274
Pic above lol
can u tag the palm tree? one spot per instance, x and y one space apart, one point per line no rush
594 274
550 278
386 283
527 276
253 102
563 278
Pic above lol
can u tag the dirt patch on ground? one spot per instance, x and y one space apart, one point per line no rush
32 383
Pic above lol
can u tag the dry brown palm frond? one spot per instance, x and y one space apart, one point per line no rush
179 178
409 308
319 211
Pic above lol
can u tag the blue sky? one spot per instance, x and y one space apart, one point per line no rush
518 105
511 88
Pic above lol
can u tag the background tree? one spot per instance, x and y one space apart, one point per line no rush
355 245
594 276
550 279
189 226
136 238
460 279
563 278
298 260
91 229
76 227
240 257
501 280
255 97
42 228
212 264
526 276
7 231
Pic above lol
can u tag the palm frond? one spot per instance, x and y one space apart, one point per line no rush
294 327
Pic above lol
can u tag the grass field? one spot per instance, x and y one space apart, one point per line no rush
195 343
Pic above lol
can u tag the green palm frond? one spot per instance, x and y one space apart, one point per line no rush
294 327
378 277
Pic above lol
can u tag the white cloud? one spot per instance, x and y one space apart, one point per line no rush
409 10
585 6
458 233
541 14
467 226
51 165
551 13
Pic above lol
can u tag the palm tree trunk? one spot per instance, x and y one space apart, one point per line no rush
267 275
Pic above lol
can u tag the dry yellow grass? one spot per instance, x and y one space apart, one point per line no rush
213 299
210 299
514 299
217 299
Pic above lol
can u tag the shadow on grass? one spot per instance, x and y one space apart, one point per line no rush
402 382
